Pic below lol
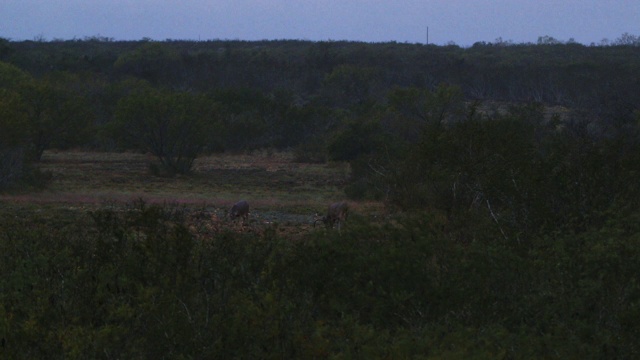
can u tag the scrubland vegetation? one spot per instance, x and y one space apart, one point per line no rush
493 193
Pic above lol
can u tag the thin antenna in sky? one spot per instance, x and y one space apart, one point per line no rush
427 35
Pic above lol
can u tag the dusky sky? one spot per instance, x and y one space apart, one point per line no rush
460 21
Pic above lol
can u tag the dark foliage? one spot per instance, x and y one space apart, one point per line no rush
309 96
145 283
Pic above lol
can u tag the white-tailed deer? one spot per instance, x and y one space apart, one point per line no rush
337 214
240 209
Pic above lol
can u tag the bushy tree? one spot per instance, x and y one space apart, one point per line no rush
174 127
13 138
56 115
13 131
385 150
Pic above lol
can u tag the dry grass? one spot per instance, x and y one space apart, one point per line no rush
279 190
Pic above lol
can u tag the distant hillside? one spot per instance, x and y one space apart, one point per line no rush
571 75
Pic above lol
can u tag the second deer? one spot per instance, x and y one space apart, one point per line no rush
336 215
240 209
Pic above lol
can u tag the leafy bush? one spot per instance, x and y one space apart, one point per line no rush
172 126
143 283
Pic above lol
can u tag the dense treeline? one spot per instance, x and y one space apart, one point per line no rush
283 94
549 71
277 94
510 170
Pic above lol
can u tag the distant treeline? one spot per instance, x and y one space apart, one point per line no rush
344 73
325 100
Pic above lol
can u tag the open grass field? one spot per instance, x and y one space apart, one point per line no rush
278 189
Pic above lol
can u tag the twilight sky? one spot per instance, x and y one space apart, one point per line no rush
461 21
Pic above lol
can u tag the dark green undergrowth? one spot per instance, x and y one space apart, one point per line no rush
145 284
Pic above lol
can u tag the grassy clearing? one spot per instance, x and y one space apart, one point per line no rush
278 189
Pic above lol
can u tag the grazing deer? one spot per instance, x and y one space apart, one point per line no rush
337 214
240 209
